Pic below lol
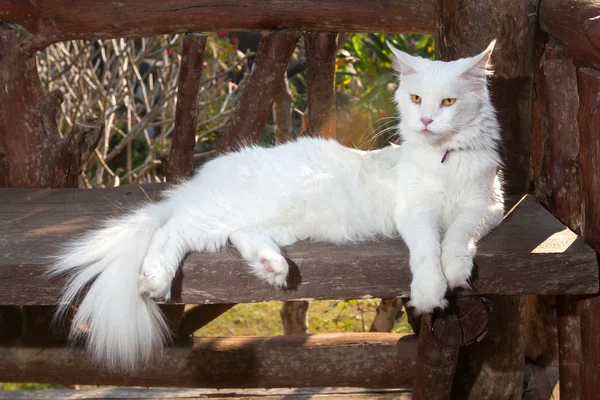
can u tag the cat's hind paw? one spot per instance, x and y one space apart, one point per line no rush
154 281
271 267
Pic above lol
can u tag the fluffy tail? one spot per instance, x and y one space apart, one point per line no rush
123 329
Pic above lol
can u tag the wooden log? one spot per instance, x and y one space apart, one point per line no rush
435 363
589 314
50 22
385 360
283 109
569 347
180 161
588 120
32 153
576 24
248 122
321 48
531 252
213 394
294 316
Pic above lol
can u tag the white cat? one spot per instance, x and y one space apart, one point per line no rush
439 190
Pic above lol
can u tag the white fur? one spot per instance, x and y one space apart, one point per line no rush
262 199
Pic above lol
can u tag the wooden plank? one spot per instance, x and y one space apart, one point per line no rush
589 314
575 23
214 394
373 360
50 21
531 252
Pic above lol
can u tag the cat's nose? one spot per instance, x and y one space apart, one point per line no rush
426 121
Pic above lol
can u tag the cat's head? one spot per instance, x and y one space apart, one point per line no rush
436 99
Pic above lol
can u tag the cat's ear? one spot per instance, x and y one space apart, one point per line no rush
479 66
402 62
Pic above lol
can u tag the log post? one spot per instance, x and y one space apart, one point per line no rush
321 48
569 347
34 155
180 161
256 101
465 28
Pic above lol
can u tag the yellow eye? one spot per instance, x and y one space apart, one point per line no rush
448 102
415 98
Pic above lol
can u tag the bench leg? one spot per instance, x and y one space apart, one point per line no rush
569 347
589 314
435 366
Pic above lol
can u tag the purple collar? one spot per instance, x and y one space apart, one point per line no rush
446 154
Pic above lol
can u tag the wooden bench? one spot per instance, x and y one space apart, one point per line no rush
531 252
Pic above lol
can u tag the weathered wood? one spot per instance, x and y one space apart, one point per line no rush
50 22
561 164
214 394
588 119
256 101
531 252
435 362
388 312
283 108
576 24
180 161
294 316
321 48
499 373
10 321
199 316
32 152
589 314
569 347
385 359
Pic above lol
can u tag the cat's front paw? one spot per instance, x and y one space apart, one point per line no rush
154 280
272 267
427 293
457 269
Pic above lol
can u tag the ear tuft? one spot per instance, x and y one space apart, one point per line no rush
402 62
479 66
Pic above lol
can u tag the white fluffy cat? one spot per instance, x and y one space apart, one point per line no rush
439 190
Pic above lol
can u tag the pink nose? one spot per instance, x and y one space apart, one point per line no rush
426 121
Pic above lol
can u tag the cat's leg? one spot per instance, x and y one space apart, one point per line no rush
165 252
474 221
263 255
421 233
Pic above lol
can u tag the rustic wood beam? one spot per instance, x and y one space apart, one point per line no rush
576 23
589 314
180 161
385 359
321 49
531 252
569 347
51 22
261 86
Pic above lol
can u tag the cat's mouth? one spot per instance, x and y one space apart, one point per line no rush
427 132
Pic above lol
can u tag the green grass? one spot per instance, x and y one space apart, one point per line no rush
262 319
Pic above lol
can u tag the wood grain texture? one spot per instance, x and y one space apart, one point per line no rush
531 252
180 161
589 314
213 394
569 347
340 359
321 49
50 21
576 24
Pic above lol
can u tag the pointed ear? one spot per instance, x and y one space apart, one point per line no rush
479 66
402 62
